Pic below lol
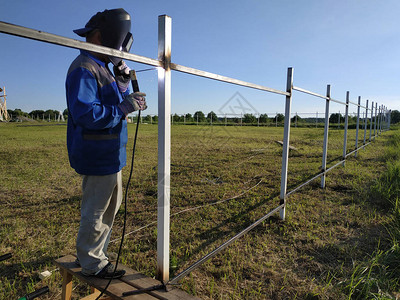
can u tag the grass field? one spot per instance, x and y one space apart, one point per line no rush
320 251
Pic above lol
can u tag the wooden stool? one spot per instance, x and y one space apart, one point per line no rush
132 280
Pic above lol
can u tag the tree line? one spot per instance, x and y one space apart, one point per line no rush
36 114
200 117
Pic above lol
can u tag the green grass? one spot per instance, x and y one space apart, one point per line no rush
320 251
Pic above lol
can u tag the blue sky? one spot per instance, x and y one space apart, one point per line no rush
352 45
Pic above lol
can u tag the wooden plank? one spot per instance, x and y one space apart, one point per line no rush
115 289
132 280
66 286
140 281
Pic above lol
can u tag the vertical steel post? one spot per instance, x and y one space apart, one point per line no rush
286 137
326 130
365 122
370 123
376 109
346 124
384 118
295 121
389 117
164 147
358 123
379 120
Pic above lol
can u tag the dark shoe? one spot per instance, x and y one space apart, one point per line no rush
108 271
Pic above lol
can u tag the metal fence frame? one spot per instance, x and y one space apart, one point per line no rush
165 66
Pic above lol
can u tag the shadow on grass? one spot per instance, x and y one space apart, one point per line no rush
242 221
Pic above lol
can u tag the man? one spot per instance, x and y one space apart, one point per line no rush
98 103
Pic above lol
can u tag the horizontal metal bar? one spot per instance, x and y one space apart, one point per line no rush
356 104
312 179
363 146
334 166
209 75
337 101
304 184
308 92
223 246
71 43
316 95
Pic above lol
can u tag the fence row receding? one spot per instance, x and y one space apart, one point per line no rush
378 117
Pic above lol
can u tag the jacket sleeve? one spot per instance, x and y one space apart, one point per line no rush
87 109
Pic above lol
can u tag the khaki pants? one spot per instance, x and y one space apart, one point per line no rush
101 199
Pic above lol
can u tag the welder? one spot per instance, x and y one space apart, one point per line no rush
98 103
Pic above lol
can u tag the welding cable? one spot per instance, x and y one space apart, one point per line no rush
189 209
125 207
144 70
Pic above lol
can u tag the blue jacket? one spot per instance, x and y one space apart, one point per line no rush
96 133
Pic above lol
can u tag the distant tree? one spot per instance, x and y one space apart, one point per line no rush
280 117
176 118
188 117
212 115
155 119
10 113
37 113
51 113
147 118
18 112
249 118
264 118
395 116
352 119
199 116
334 118
294 119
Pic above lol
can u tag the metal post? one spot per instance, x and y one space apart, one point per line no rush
379 120
370 123
225 120
346 124
384 118
276 120
376 109
338 120
316 120
164 147
389 117
358 123
258 121
295 121
286 137
365 122
326 130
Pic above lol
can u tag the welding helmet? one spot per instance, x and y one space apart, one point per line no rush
114 26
